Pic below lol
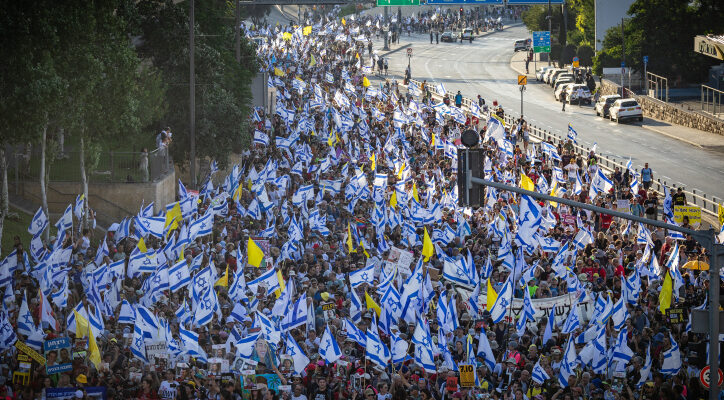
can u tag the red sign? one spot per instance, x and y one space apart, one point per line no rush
705 377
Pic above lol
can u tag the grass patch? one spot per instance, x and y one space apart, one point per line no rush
18 227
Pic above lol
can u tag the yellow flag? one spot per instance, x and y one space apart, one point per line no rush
356 55
721 214
432 141
282 284
402 169
237 193
142 245
371 305
365 82
287 36
278 72
665 295
554 189
373 166
363 249
173 216
427 247
312 61
393 199
415 195
94 354
254 255
307 30
491 296
224 280
82 327
526 183
350 244
344 22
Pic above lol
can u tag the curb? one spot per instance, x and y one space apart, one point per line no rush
659 131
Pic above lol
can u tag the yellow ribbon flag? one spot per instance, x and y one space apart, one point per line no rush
287 36
237 192
350 243
415 195
554 189
402 169
365 82
224 280
173 216
141 245
371 305
307 30
344 22
526 183
254 255
491 296
665 295
363 249
373 166
432 141
82 327
427 247
721 214
95 354
393 200
282 284
278 72
312 61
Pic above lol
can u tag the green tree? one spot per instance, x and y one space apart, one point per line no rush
585 22
223 93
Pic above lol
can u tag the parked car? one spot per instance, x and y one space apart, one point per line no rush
467 34
541 72
521 45
562 77
561 82
560 89
448 37
626 109
578 93
552 77
604 103
548 74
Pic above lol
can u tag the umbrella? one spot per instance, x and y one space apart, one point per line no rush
697 265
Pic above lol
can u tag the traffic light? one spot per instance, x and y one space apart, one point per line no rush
474 158
461 11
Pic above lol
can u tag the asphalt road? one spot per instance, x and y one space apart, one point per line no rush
483 67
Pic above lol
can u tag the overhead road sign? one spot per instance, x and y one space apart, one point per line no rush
385 3
520 2
542 42
712 46
464 2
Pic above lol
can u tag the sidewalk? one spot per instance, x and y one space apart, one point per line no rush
694 137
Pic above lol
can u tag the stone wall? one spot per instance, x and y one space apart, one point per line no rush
666 112
111 201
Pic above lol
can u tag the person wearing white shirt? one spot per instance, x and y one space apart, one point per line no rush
167 389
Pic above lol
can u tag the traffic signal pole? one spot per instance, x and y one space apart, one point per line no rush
704 237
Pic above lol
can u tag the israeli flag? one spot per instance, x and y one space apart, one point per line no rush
646 370
572 321
26 324
485 350
672 359
328 348
268 279
572 134
261 138
127 314
375 349
355 333
179 276
548 332
190 340
620 314
66 221
138 346
500 307
300 360
297 316
245 345
621 351
424 353
206 304
38 223
539 374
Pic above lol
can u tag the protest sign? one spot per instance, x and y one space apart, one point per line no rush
29 351
562 305
156 349
402 259
623 205
58 355
693 212
97 392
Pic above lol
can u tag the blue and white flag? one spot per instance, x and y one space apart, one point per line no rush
328 348
190 341
268 279
66 221
568 363
26 324
539 374
296 316
355 333
363 275
548 332
424 353
300 360
672 359
127 314
620 314
572 134
646 370
38 223
572 321
138 346
206 305
500 307
375 349
485 350
179 276
621 352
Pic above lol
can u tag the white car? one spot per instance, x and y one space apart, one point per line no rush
552 77
541 72
467 34
578 93
549 73
560 89
604 103
623 109
562 77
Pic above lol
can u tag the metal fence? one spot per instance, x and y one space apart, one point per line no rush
711 101
709 205
102 167
657 87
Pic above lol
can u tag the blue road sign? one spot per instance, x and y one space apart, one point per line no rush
623 64
646 59
517 2
463 2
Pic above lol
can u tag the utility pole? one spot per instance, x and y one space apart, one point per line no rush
550 29
192 96
387 16
623 57
237 29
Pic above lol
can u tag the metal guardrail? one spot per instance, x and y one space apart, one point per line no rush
103 167
711 100
657 87
709 205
